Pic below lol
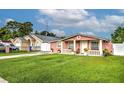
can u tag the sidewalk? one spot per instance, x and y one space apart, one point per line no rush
21 55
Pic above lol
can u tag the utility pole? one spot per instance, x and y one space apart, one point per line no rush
46 23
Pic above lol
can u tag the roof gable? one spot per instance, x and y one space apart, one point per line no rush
20 39
81 37
84 37
46 38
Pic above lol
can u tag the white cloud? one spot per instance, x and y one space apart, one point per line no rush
87 33
107 24
8 19
68 14
64 18
81 19
58 32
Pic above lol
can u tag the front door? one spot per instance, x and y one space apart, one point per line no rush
83 45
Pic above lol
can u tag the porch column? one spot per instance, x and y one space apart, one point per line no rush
74 45
30 43
61 46
100 47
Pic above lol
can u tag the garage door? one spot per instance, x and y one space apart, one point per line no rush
45 47
18 45
118 49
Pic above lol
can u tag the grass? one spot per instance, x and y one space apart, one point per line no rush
14 53
63 68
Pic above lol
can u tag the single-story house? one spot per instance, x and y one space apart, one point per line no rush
79 43
34 42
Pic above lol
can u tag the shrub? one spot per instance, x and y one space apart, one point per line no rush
106 52
78 51
19 51
59 51
86 49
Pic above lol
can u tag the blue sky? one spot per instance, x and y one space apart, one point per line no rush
66 22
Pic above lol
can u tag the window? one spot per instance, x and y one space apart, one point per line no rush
58 44
71 45
94 45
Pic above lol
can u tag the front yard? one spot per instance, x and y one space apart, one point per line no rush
63 68
14 53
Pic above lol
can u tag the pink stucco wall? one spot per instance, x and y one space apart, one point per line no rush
107 45
77 45
65 45
54 47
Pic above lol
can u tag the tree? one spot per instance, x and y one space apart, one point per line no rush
25 28
52 34
12 26
118 35
36 32
19 29
14 29
5 34
47 33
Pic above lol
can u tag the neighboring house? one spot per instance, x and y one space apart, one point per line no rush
5 42
77 44
34 42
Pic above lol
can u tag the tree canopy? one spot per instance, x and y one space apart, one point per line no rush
118 35
5 34
14 29
45 33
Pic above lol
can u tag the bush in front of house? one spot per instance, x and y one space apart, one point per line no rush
59 51
86 49
78 51
19 51
106 52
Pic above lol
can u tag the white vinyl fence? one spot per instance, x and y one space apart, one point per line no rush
118 49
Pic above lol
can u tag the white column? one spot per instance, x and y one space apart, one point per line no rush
61 46
100 47
74 45
30 43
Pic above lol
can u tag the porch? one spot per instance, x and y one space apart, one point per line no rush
82 47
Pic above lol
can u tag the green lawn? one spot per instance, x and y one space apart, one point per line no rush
63 68
14 53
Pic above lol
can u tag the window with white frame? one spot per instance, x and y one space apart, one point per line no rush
70 45
59 44
94 45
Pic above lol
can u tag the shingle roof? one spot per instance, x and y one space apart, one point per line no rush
46 38
83 35
86 36
21 38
